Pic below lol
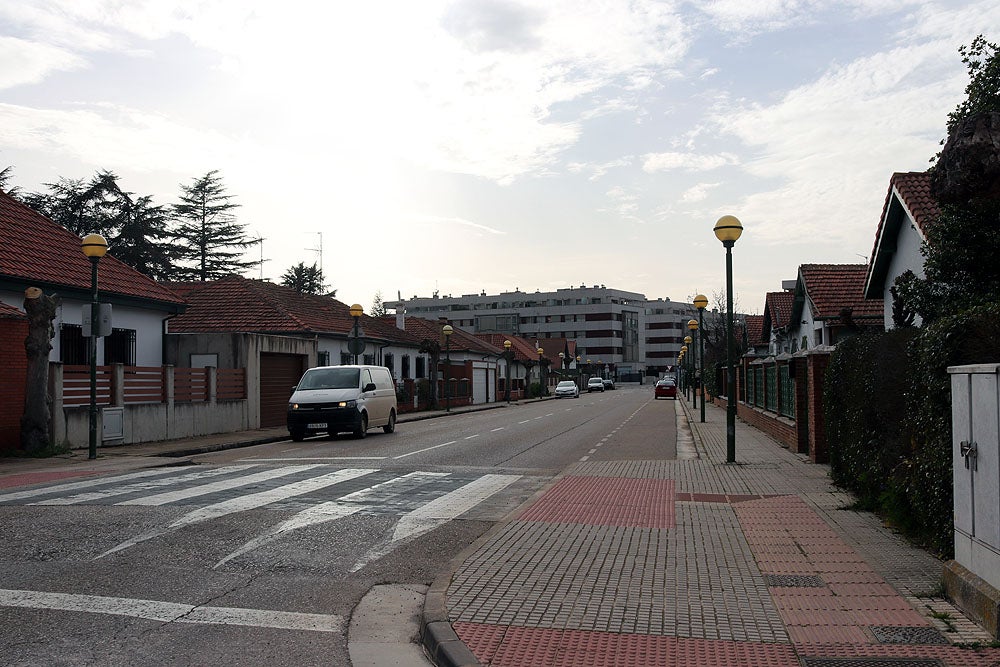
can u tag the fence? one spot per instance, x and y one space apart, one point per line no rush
152 384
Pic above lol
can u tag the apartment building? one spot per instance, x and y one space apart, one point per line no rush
610 326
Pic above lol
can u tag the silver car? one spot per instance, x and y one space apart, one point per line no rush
567 389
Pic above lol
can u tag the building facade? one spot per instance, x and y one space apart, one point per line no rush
611 327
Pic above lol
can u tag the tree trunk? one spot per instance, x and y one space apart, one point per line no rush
37 417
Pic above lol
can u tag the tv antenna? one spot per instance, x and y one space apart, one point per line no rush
319 251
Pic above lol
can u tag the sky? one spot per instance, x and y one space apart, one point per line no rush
463 146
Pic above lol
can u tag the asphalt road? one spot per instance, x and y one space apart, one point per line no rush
259 556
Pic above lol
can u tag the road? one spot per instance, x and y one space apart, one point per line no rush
259 556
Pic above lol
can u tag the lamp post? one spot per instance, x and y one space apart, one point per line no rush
94 246
447 331
541 374
579 375
701 302
356 312
693 326
681 370
728 230
506 353
687 384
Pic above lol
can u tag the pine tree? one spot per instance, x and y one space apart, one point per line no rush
378 305
211 242
304 279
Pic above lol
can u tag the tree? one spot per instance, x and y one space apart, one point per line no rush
212 242
41 311
5 175
433 349
143 241
378 306
304 279
962 246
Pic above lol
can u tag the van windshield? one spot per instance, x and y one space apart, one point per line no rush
330 378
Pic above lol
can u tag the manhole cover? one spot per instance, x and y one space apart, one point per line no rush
895 634
794 580
871 662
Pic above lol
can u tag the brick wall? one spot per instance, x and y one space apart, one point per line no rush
13 331
818 451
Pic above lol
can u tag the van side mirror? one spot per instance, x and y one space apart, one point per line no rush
369 387
294 387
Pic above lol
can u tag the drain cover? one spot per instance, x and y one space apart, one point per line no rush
895 634
871 662
796 580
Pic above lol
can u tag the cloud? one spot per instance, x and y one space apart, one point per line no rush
698 192
598 169
444 220
26 62
653 162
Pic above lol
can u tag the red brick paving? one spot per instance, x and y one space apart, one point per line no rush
640 503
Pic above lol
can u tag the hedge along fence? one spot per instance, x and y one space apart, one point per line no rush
888 407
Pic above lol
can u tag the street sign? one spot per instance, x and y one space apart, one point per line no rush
103 319
356 346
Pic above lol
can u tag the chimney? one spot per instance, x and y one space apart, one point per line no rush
401 316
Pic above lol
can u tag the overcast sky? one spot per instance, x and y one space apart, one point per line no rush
487 145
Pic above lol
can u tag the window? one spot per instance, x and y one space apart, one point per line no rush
345 359
389 362
406 366
323 358
421 368
368 359
72 344
119 347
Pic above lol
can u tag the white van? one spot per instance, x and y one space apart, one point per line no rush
334 399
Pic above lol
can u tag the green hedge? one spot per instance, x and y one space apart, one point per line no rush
888 414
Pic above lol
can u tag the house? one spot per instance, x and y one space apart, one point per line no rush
829 305
908 210
276 333
518 364
41 254
469 364
756 342
777 318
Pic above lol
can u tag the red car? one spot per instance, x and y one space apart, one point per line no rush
665 389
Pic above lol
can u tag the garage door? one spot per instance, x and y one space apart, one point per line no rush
278 374
479 388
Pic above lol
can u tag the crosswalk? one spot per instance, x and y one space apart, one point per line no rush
315 493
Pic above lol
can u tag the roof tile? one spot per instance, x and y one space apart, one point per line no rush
833 287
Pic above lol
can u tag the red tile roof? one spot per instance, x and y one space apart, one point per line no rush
914 190
461 340
833 287
779 308
524 349
11 312
241 305
755 329
37 251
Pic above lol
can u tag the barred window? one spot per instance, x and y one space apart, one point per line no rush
389 362
323 358
72 345
119 347
406 366
421 370
346 359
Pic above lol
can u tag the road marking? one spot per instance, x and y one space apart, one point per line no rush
172 612
498 429
223 485
440 511
332 510
248 502
324 458
73 486
426 449
142 486
470 437
584 458
524 422
592 451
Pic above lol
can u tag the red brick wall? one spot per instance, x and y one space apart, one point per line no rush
818 451
781 429
15 371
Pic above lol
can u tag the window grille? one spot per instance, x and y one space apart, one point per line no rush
119 347
72 345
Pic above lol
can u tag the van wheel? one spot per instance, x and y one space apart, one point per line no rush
298 435
362 430
391 426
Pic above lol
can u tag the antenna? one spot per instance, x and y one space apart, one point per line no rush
319 250
260 242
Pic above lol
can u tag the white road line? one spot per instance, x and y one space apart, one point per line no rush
223 485
498 429
470 437
426 449
171 612
440 511
142 486
332 510
524 422
73 486
592 451
584 458
323 458
244 503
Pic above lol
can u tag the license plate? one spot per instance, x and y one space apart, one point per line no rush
317 426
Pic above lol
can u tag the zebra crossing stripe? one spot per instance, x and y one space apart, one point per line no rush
142 486
213 487
247 502
171 612
440 511
87 484
330 511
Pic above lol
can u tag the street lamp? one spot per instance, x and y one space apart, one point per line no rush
506 353
356 312
579 375
693 326
94 246
447 331
728 230
541 373
687 384
562 360
682 386
701 302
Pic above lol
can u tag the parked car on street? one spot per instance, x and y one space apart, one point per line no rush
334 399
567 389
665 389
595 384
609 383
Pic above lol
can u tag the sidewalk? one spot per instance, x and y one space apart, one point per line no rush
696 562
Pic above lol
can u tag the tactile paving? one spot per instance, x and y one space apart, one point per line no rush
793 580
893 634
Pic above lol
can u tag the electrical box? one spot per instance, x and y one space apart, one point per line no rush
112 424
103 319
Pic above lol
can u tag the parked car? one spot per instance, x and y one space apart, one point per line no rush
665 389
595 384
332 399
567 389
609 383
